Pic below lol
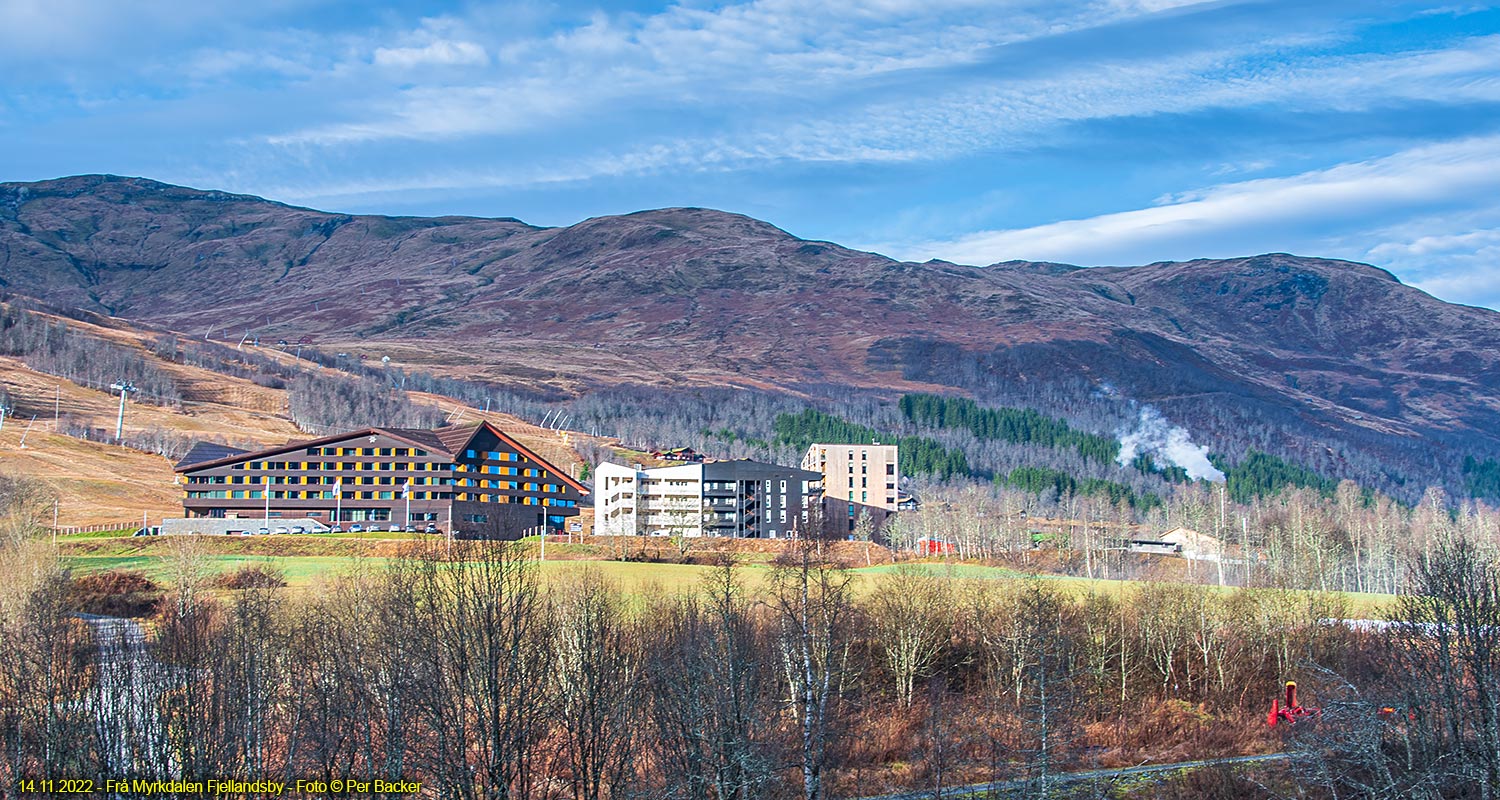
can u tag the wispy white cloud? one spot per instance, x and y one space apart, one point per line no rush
1454 255
1411 179
700 57
985 115
441 52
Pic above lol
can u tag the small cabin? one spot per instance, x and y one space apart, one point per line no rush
928 546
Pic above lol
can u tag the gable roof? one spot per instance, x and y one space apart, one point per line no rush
420 438
204 452
464 434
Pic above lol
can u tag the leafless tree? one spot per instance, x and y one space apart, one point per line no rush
910 621
482 697
811 598
710 682
597 662
1449 640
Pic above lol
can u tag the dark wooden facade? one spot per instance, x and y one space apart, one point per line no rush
473 479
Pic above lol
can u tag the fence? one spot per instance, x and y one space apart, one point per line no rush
107 526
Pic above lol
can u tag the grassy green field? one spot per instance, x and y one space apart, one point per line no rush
306 560
299 570
109 534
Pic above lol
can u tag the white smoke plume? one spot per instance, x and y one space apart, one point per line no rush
1163 441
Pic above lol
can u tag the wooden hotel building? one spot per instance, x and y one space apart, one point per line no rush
472 479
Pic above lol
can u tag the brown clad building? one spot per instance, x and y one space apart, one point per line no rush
472 479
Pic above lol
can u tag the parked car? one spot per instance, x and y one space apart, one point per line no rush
283 529
393 528
408 529
356 528
336 529
298 529
432 528
264 531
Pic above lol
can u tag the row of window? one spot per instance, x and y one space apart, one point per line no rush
515 486
398 452
864 497
494 470
864 469
347 466
418 466
317 480
250 494
528 500
492 455
244 494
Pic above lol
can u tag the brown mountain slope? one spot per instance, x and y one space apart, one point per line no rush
100 483
1307 347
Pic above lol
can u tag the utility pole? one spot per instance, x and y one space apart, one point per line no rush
1222 533
1245 547
3 411
122 387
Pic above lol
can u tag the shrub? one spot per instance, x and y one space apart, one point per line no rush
251 576
115 593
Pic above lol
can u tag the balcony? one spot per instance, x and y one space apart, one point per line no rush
667 506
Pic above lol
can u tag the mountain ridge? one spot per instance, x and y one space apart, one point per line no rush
1322 349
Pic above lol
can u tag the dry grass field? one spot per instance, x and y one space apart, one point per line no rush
101 484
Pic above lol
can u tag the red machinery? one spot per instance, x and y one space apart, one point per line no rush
1292 711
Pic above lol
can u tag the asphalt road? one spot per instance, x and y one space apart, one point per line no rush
1061 778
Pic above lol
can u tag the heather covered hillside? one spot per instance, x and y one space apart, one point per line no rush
1330 363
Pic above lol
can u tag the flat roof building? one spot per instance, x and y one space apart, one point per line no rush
472 479
865 474
717 498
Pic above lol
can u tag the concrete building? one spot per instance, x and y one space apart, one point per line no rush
473 479
717 498
864 474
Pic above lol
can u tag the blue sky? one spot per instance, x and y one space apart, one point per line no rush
1083 131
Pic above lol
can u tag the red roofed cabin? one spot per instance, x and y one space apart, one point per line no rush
472 478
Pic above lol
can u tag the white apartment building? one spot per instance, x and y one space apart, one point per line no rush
718 498
867 474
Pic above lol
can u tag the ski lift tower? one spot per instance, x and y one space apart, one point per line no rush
123 387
